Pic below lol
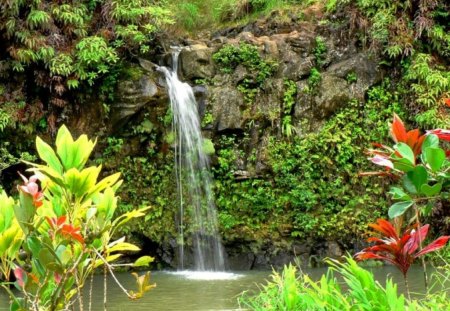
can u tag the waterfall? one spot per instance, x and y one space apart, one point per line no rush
193 177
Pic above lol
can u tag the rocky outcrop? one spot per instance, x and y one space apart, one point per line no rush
134 92
328 73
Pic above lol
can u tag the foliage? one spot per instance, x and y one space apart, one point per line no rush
289 95
64 230
247 55
74 42
430 85
195 15
312 186
418 161
417 32
319 51
400 251
291 292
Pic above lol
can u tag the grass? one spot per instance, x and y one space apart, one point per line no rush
194 16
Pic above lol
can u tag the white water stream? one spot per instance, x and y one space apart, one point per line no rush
197 208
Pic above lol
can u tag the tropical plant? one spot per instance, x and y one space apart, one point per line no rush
399 250
290 291
418 161
421 165
64 229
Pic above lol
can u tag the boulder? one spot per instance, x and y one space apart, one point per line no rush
131 95
196 62
226 103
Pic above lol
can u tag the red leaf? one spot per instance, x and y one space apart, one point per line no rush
398 130
398 250
447 102
442 134
21 276
433 246
385 227
73 232
412 137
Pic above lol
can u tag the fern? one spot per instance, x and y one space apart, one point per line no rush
5 119
61 65
37 19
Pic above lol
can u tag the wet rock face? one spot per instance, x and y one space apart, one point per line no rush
345 74
133 94
253 112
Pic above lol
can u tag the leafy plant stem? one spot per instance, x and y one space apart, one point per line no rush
80 293
405 278
91 285
110 269
105 286
425 276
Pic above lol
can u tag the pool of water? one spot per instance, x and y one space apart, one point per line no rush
194 291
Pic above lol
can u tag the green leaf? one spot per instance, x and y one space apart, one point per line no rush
47 154
430 141
406 152
430 191
399 194
64 142
143 261
434 157
79 183
123 246
399 208
34 245
403 165
418 177
47 259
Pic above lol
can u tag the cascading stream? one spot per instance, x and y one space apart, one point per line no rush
193 177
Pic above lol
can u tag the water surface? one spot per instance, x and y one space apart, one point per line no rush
185 291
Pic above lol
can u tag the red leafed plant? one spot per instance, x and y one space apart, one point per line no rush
402 250
412 138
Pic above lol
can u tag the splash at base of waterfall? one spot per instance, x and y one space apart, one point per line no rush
207 275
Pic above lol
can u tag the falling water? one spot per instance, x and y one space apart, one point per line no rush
193 176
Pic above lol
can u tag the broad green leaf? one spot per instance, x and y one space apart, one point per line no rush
90 213
122 247
418 177
78 182
7 238
124 218
430 141
107 203
403 165
109 258
47 154
398 194
399 208
143 261
25 211
64 254
431 190
406 152
47 259
6 211
434 157
34 245
64 142
103 184
82 149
